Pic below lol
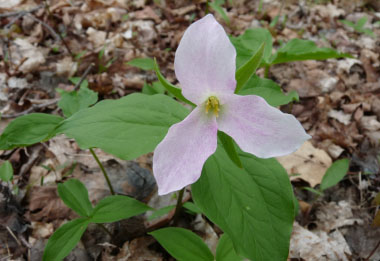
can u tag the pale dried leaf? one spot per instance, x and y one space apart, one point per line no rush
311 163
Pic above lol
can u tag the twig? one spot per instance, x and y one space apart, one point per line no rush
51 30
16 13
13 235
32 108
372 252
84 75
60 36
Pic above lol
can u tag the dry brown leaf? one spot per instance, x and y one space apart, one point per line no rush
319 246
45 205
311 163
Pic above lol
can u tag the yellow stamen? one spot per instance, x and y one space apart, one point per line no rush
212 103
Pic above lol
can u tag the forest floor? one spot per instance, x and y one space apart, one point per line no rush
45 44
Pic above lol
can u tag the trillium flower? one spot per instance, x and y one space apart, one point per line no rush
205 68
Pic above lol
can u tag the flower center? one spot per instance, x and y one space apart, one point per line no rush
212 103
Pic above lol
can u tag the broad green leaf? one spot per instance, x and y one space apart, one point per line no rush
192 207
75 195
142 63
218 8
335 173
170 87
249 43
225 250
154 88
115 208
74 101
64 239
6 171
229 146
245 72
300 50
160 212
128 127
27 130
183 244
254 205
269 90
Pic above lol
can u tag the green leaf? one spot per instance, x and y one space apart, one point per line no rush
229 146
115 208
335 173
6 171
160 212
249 43
146 64
74 101
183 244
75 80
170 87
361 22
64 239
301 50
225 250
269 90
254 205
312 190
218 8
29 129
348 23
75 195
128 127
192 207
154 88
244 73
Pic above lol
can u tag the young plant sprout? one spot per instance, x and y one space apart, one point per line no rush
205 67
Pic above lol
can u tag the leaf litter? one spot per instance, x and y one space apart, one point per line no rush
339 106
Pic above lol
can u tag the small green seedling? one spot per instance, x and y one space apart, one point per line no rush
359 26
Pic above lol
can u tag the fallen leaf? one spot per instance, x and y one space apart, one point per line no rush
311 163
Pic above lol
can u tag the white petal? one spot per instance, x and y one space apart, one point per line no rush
205 61
178 160
259 128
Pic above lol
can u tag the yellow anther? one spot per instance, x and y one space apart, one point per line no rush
212 103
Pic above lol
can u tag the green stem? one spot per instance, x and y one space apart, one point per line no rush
206 9
178 207
266 72
103 170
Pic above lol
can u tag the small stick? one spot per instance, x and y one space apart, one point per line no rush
372 252
84 75
13 235
23 12
51 30
32 108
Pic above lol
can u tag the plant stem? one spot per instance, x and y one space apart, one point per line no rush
266 72
103 170
105 229
178 207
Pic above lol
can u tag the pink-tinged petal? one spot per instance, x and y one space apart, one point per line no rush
259 128
205 61
179 158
